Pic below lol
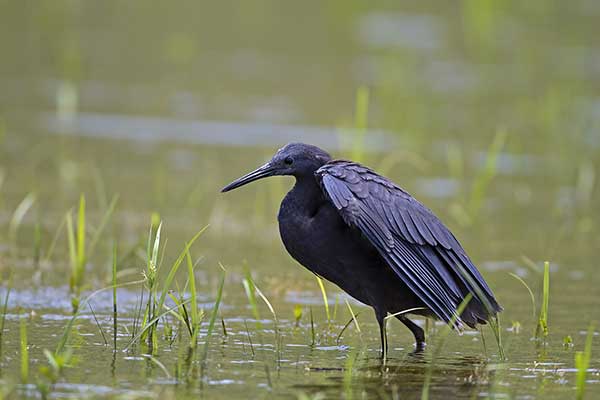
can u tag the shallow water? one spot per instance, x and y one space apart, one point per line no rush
166 110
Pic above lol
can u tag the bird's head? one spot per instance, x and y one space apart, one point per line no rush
295 159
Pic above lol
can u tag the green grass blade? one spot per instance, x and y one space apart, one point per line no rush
353 316
159 365
267 302
54 241
213 315
531 295
352 319
582 363
175 267
152 322
250 290
542 327
60 347
105 218
81 256
24 350
72 249
325 301
114 293
18 216
195 324
156 248
4 309
486 175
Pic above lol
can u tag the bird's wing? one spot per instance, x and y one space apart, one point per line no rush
411 239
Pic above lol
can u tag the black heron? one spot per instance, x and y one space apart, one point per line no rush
359 230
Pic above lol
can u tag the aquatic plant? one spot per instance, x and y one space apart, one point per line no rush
353 317
77 257
313 335
531 295
582 362
114 295
24 349
4 310
325 301
250 291
348 373
196 317
297 315
156 295
542 326
56 364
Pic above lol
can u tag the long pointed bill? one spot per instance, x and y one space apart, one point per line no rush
259 173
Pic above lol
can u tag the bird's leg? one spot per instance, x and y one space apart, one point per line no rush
416 330
382 331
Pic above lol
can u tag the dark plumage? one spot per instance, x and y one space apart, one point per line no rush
361 231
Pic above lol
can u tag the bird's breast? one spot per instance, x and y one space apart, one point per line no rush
322 242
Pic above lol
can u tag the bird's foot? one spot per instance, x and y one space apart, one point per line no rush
420 347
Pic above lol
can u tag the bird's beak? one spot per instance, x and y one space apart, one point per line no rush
259 173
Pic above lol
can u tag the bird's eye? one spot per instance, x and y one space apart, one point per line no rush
288 161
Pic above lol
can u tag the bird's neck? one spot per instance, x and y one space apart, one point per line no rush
306 194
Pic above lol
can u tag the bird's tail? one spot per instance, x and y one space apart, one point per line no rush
480 308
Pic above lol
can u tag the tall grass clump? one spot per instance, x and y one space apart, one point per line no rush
158 295
79 248
582 363
541 331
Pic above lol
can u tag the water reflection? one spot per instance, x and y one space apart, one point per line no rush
458 376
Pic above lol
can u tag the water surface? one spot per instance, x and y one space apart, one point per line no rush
164 105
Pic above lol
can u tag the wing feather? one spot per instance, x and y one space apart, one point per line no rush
411 239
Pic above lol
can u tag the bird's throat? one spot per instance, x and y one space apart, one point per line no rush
305 197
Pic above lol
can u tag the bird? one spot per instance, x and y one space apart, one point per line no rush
359 230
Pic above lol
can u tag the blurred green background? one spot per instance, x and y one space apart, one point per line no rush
487 111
